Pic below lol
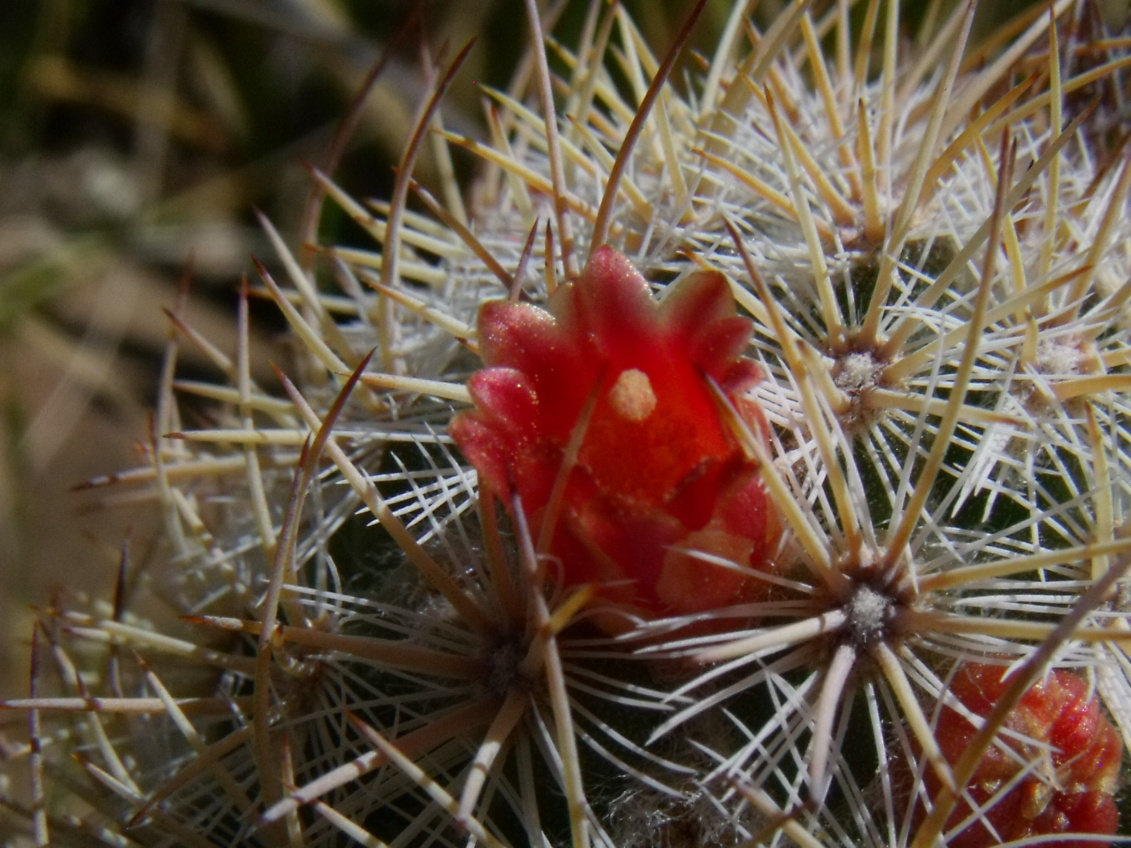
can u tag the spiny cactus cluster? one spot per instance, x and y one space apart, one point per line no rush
746 463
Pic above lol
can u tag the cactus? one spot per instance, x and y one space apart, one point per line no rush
694 485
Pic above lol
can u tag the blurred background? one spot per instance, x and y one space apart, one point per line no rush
137 137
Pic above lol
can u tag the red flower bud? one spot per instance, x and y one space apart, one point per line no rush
658 473
1075 754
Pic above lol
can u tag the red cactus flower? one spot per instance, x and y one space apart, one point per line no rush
658 471
1077 750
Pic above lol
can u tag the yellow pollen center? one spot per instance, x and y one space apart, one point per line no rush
631 396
